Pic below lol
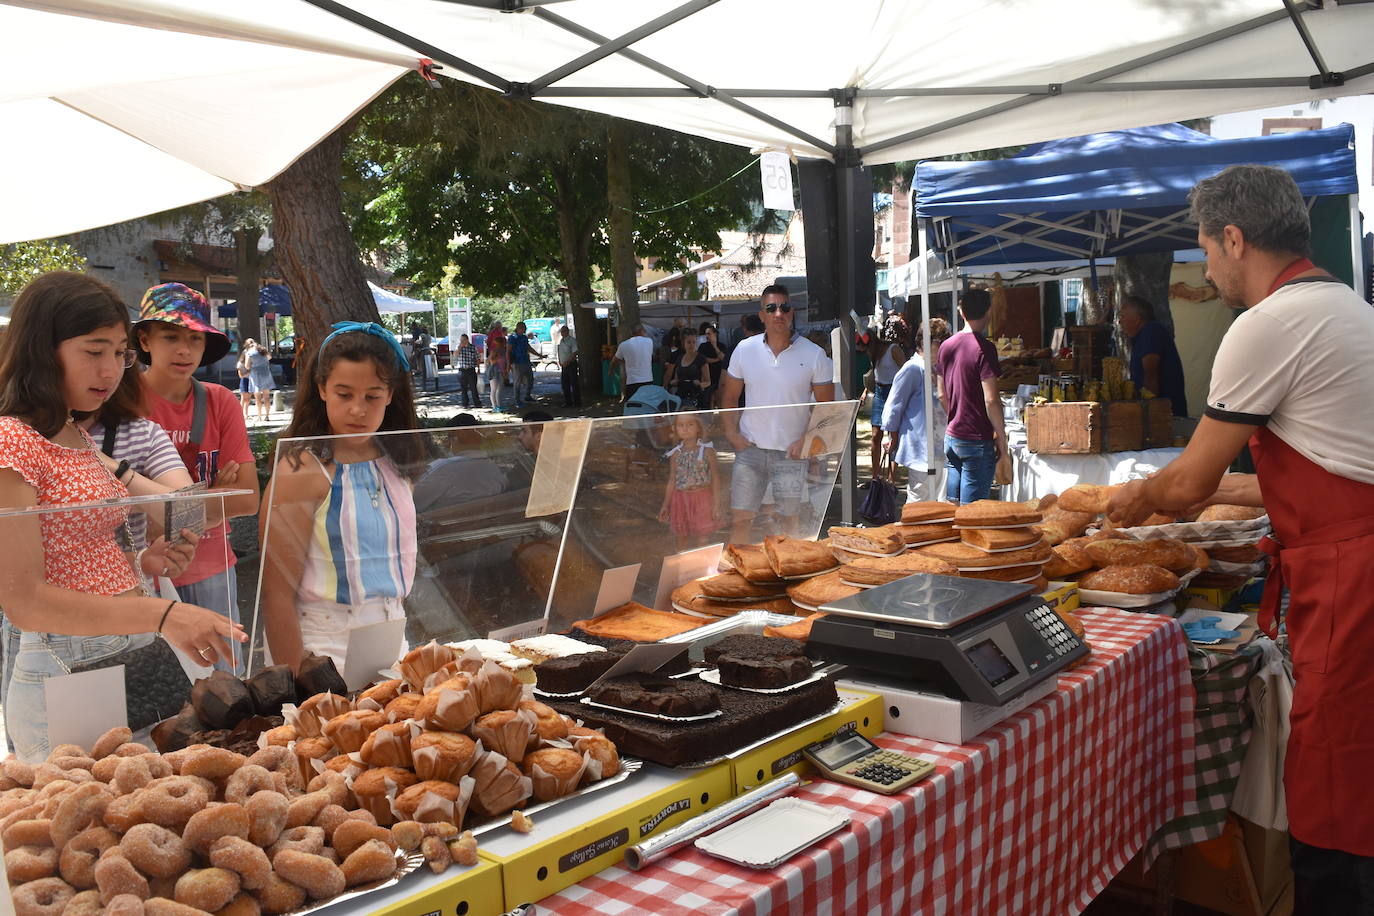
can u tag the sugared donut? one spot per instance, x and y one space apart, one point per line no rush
207 888
278 895
115 875
77 861
242 858
44 897
316 875
372 861
155 851
300 839
268 812
29 863
207 826
170 802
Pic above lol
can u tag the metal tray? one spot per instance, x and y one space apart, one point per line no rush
405 862
745 622
628 767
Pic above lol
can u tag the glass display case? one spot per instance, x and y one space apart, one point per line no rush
507 530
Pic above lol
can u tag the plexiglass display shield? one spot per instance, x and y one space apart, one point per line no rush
373 545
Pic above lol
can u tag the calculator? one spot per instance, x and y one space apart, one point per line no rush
854 759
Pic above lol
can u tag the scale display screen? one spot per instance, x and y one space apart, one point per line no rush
990 662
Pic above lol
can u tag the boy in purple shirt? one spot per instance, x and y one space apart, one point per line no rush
975 438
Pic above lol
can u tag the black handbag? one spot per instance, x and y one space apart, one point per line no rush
155 684
879 506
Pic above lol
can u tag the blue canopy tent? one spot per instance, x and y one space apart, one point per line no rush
1118 192
1114 193
274 297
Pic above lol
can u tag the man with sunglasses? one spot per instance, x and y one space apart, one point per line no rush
780 367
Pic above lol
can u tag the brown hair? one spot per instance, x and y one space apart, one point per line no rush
311 417
52 308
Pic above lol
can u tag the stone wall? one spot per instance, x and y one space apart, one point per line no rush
122 256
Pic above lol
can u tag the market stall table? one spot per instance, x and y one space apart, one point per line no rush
1036 475
1036 816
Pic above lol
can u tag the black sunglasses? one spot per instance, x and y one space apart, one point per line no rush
777 307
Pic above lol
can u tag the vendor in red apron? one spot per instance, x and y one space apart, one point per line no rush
1294 378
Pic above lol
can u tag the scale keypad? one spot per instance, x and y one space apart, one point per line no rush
1053 629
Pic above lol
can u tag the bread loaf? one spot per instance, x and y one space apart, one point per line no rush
884 540
751 562
1060 524
1068 559
790 557
1166 552
1086 497
1130 579
733 585
1224 513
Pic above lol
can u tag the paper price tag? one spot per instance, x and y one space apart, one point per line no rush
617 587
82 707
776 175
681 568
371 648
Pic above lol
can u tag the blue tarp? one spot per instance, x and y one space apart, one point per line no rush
1119 192
274 297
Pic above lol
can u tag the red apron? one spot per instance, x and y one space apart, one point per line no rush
1323 549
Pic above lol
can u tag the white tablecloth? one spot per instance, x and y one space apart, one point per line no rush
1034 476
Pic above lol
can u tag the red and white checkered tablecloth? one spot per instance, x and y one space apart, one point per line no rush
1034 818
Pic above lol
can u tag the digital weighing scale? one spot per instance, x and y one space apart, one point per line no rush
970 639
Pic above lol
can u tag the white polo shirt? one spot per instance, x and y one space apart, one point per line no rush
771 381
638 354
1299 362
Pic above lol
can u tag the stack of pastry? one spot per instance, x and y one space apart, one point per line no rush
866 572
849 544
728 593
1021 565
929 522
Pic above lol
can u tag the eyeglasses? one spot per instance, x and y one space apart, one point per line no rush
126 358
130 358
777 307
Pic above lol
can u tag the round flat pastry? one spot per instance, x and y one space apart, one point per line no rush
927 512
993 540
820 590
1008 574
963 556
733 585
926 534
993 513
870 571
701 604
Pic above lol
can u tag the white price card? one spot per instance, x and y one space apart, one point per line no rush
82 707
776 174
681 568
370 649
617 587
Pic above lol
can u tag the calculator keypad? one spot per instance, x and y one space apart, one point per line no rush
887 768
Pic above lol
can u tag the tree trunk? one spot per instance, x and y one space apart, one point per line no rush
620 227
1146 276
574 247
319 260
248 263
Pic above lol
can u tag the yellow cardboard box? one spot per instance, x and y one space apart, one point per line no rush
585 835
1217 596
474 891
862 712
1062 594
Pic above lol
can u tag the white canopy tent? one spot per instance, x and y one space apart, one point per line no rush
395 303
119 108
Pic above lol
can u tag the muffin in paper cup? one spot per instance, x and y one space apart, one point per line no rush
349 730
388 746
443 755
435 801
497 688
450 707
420 663
498 785
315 712
509 732
554 772
375 790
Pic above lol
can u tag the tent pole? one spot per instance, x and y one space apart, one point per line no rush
1357 268
927 358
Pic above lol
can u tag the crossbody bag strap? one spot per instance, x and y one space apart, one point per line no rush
108 443
198 412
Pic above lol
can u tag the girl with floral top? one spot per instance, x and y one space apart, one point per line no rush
65 581
692 498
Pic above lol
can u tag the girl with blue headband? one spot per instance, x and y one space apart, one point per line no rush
338 524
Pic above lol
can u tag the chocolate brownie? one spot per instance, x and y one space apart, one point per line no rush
745 719
747 646
573 673
768 673
658 695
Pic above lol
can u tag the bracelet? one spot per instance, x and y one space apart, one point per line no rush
160 623
120 469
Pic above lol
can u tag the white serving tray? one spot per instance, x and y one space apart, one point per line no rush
768 838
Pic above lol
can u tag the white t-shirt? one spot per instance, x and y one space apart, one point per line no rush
776 380
638 354
1300 363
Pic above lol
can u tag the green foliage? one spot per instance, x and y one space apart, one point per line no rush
460 177
22 261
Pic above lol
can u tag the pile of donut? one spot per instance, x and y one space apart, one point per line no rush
1111 560
324 805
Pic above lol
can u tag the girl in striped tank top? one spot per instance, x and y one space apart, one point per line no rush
338 526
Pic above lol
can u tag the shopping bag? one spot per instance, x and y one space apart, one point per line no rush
879 506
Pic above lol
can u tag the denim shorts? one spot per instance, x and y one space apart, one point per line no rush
972 466
41 656
218 593
755 468
880 393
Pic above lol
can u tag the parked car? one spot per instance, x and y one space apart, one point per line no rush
441 351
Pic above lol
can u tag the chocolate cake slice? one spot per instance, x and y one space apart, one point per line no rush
574 673
764 673
658 695
759 647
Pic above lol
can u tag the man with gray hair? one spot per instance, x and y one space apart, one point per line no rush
1293 378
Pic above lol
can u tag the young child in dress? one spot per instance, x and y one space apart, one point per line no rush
691 500
338 527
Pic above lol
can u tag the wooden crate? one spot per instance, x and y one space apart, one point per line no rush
1159 423
1123 426
1065 428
